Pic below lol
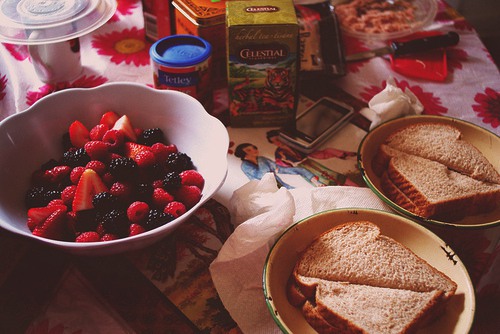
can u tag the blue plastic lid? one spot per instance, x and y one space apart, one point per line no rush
180 50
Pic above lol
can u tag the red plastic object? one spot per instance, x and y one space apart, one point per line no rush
430 65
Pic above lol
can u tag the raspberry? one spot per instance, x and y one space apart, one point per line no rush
189 195
76 173
98 131
175 209
98 166
157 184
96 150
161 197
121 190
114 139
135 229
108 237
162 151
145 159
137 212
57 174
68 194
89 236
192 178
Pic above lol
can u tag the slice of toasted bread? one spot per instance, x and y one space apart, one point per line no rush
352 279
443 143
346 307
436 191
357 253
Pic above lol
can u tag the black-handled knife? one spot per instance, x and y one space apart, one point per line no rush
409 47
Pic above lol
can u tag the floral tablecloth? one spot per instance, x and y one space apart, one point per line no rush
168 285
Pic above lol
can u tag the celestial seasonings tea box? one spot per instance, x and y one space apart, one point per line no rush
262 59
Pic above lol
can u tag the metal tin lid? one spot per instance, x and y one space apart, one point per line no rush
180 50
51 21
202 12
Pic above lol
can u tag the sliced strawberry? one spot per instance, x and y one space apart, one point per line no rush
132 149
78 134
54 226
124 125
38 215
89 185
109 119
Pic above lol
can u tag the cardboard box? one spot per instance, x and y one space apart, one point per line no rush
262 58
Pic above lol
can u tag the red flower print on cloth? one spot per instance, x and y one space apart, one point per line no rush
489 107
352 46
83 82
455 59
124 7
19 52
129 46
3 86
432 104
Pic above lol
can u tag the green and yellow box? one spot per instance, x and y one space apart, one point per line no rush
262 59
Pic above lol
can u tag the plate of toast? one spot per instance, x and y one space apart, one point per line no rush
437 170
365 270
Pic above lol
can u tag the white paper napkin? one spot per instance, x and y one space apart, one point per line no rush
392 103
262 212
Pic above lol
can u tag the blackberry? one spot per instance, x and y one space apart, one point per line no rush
40 196
75 158
123 168
49 164
172 180
179 162
144 192
104 201
115 222
157 218
86 220
151 136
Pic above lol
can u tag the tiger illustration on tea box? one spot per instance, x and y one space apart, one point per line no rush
276 94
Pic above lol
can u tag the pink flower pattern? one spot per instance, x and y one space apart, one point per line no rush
488 107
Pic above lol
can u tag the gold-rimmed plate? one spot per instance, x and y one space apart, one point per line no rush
485 141
459 314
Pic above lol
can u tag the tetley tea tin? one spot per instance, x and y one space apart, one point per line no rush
182 63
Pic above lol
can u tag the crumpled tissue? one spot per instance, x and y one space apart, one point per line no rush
392 103
262 212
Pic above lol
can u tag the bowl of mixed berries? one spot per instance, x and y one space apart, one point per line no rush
108 169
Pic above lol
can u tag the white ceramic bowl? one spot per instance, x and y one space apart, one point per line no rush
32 137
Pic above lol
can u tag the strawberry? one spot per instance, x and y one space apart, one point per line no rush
89 185
36 216
124 125
191 177
90 236
189 195
132 149
109 119
78 134
54 226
